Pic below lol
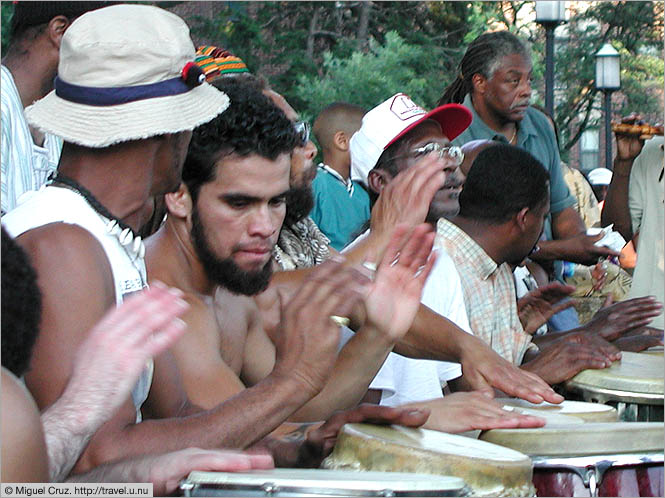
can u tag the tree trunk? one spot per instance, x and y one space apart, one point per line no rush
312 32
363 25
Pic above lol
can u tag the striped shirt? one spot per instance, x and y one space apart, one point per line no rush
489 294
25 165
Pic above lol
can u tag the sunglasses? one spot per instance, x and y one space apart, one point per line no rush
303 130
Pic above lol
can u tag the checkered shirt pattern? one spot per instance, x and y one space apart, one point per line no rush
489 294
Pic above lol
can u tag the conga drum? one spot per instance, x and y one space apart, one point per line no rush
587 412
592 459
634 385
487 469
318 483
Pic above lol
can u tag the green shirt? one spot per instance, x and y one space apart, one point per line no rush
341 207
534 135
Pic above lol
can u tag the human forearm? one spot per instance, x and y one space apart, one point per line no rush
355 368
67 431
432 336
615 209
237 423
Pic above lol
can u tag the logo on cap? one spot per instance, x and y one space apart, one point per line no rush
404 108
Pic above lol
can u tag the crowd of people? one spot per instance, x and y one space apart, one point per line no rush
181 283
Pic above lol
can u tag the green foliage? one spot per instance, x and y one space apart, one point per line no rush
367 79
635 29
6 13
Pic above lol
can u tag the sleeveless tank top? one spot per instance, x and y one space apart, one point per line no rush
53 204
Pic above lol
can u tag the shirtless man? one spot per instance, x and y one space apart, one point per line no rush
218 237
79 234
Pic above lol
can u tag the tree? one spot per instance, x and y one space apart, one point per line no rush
367 79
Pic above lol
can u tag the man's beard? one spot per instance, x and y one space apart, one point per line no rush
299 203
226 272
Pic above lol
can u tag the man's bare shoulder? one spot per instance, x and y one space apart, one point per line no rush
77 287
63 245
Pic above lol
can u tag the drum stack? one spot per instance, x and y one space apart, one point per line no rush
605 439
617 451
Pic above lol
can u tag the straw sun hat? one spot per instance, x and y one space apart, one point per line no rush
126 72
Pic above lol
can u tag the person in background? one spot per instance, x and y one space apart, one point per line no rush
341 205
636 206
494 83
600 179
28 155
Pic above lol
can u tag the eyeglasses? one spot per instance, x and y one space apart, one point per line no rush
303 130
452 153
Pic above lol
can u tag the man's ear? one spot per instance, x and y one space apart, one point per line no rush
479 83
520 218
179 203
341 141
56 28
377 180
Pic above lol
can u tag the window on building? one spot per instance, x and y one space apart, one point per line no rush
589 151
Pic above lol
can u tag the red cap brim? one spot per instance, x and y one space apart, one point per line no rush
453 118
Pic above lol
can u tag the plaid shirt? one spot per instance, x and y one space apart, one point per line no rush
489 294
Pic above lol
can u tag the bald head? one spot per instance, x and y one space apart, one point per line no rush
471 150
337 117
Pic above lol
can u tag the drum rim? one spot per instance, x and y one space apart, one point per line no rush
426 483
614 394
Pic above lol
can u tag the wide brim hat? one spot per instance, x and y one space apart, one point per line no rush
391 120
126 72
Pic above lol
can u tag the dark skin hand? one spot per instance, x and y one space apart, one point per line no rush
536 307
613 321
640 339
615 209
321 441
564 359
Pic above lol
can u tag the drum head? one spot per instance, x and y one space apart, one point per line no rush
319 482
489 470
580 410
579 440
635 373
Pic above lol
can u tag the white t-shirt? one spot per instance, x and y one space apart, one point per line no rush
406 380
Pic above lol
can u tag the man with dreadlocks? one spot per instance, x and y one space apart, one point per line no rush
494 82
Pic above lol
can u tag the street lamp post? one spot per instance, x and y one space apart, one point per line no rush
550 15
608 79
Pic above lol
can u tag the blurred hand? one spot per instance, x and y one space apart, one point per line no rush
307 340
611 322
321 441
394 296
537 306
116 350
166 471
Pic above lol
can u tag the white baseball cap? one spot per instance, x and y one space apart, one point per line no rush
600 176
389 121
126 72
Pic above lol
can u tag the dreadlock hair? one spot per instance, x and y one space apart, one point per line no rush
252 124
482 56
